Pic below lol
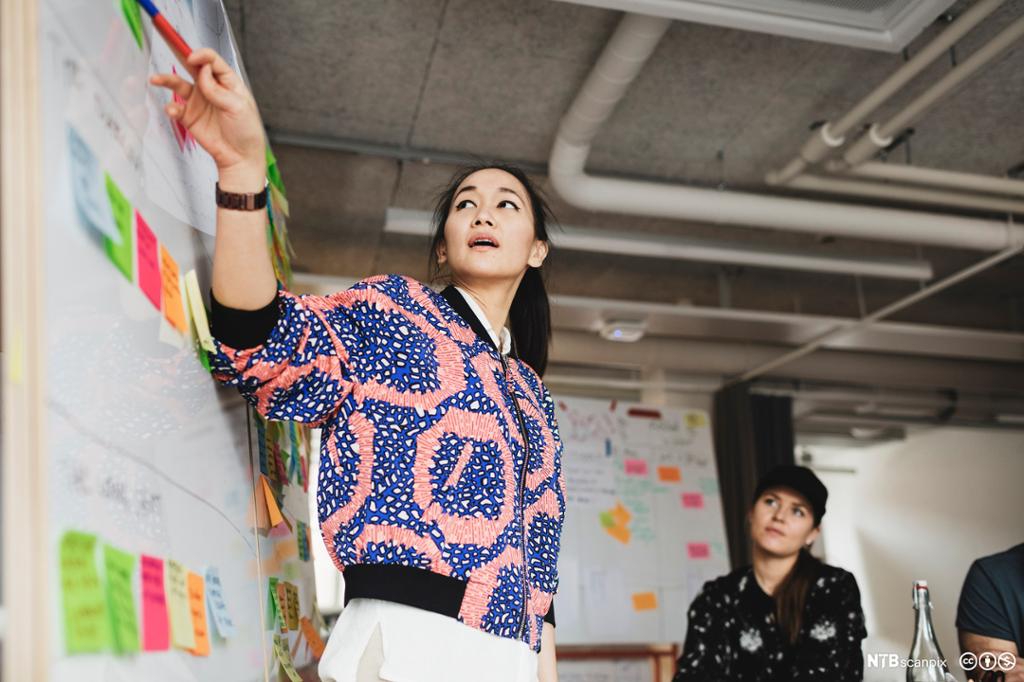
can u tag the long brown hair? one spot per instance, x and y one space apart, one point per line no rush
791 594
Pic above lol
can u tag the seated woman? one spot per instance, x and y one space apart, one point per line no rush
788 616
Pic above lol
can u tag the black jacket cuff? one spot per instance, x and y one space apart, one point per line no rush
242 328
549 617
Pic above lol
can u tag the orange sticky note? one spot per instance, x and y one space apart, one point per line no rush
197 605
621 515
316 643
282 603
669 474
620 533
645 601
273 510
171 287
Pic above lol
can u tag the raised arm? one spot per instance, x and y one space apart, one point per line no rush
220 112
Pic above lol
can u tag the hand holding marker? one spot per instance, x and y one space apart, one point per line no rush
218 109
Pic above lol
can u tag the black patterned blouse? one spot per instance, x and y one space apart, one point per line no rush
732 634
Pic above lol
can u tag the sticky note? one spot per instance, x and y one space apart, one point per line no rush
148 258
260 505
86 625
621 515
155 634
305 474
606 518
636 467
620 533
119 251
183 635
302 540
171 288
284 657
120 569
132 16
645 601
698 550
273 174
92 206
273 511
218 605
261 443
282 604
197 607
693 500
709 486
292 608
696 420
273 609
198 310
316 643
669 474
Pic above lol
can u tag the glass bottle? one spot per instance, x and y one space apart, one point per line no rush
926 662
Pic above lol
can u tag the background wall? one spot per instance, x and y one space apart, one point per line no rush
923 508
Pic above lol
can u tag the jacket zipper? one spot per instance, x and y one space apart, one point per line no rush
522 492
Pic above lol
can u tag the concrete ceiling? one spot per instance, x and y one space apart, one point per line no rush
396 79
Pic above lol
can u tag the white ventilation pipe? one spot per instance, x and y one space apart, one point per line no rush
632 43
918 195
831 135
881 136
915 175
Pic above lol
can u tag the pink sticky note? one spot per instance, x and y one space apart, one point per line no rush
698 550
693 500
155 628
636 467
149 261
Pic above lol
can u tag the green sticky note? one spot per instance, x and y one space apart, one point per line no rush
86 625
273 608
273 173
709 486
133 17
607 520
120 254
120 567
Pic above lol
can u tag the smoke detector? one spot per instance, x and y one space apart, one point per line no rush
887 25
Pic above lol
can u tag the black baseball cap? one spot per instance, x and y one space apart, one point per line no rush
800 479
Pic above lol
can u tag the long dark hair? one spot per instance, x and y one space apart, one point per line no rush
791 594
530 314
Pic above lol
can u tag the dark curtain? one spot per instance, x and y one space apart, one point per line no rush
753 433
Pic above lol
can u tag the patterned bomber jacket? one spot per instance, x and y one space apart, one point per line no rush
440 480
732 633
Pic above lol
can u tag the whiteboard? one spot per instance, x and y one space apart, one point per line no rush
143 449
643 522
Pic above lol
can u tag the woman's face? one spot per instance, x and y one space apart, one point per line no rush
781 522
489 234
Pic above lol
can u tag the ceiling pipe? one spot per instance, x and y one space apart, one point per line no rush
898 172
845 329
880 136
815 183
831 135
632 43
406 221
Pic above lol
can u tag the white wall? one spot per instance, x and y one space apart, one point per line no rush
923 508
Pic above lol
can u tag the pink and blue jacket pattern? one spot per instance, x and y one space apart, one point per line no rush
440 480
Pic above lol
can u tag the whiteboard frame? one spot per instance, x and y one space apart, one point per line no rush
26 566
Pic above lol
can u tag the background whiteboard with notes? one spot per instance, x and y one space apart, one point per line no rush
153 470
643 521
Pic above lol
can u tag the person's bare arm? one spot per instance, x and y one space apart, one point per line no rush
546 671
221 114
979 644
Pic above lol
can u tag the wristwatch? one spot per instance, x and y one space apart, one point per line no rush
248 201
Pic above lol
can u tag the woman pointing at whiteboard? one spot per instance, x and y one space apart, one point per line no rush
440 494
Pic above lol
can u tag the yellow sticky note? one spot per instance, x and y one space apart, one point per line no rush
183 635
284 657
198 310
696 420
171 288
293 605
197 607
645 601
